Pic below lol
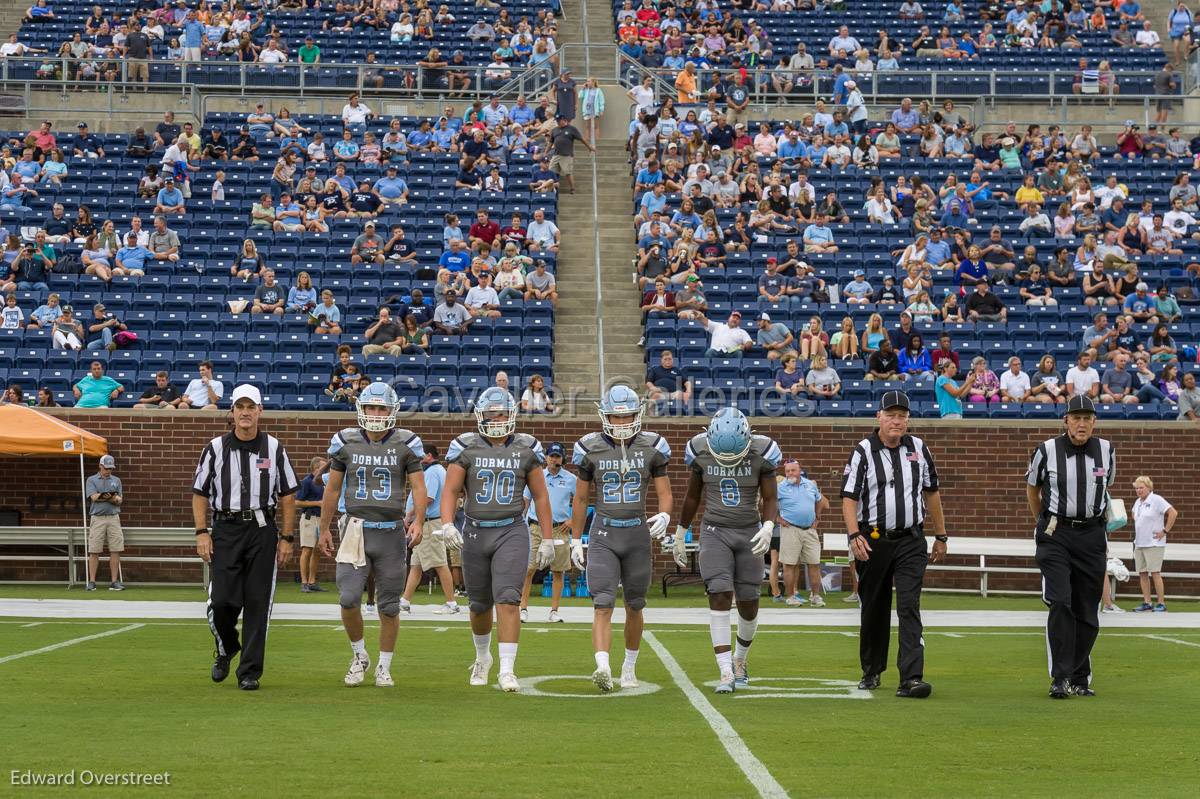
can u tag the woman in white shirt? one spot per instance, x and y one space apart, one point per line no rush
642 95
1153 518
535 399
879 208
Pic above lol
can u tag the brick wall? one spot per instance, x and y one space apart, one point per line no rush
981 467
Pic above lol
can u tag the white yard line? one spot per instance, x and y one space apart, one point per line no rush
766 785
1173 640
72 642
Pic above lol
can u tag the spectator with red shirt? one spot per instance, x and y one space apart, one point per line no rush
514 231
944 351
658 302
484 231
41 140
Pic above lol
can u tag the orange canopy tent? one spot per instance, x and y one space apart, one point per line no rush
28 432
25 431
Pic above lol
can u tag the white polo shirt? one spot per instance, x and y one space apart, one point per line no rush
197 392
726 338
1082 380
1149 516
1015 386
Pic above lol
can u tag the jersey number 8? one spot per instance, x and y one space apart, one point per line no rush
501 487
618 491
731 494
384 476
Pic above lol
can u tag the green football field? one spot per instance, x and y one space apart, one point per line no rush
135 696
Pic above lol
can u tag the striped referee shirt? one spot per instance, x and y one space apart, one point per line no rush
1074 480
888 482
239 475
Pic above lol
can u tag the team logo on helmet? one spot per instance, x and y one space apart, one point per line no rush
621 401
728 437
381 395
496 413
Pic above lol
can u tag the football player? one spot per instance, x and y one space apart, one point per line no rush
491 469
622 462
373 460
733 470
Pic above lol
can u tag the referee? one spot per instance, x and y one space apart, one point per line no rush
1067 490
890 484
242 475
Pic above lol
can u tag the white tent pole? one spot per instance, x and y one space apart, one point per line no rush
83 511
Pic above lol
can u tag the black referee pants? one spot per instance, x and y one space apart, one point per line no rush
243 582
1072 560
899 562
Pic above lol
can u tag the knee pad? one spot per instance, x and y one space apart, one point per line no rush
389 604
508 596
635 602
479 608
604 600
746 593
349 599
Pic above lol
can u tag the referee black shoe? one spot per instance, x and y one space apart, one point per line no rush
220 668
869 682
248 684
914 689
1060 689
1082 689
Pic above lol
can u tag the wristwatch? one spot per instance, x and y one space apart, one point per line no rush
201 531
289 538
942 538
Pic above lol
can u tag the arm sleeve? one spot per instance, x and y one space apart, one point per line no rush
579 458
417 451
662 456
337 459
1036 473
929 480
539 455
454 451
204 471
855 473
287 482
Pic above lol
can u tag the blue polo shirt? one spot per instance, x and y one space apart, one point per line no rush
193 33
937 252
798 502
134 257
391 188
561 487
435 479
455 261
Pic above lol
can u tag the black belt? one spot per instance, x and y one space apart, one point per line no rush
1088 522
240 515
893 535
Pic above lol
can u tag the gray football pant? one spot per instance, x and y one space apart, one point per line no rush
618 555
494 560
387 553
727 564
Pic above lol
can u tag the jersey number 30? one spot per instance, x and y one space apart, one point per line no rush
500 486
618 491
731 494
384 478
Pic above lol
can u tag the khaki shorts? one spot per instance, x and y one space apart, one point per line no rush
563 164
562 552
455 558
1148 559
431 552
799 545
310 530
139 70
106 530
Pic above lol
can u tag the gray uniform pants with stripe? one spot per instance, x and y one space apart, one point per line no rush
495 560
618 556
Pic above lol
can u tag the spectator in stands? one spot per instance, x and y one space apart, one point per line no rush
96 389
822 381
543 235
11 315
249 264
104 325
133 257
452 318
985 388
950 394
728 340
915 361
775 338
163 242
203 392
355 113
162 394
326 318
984 305
384 336
66 332
535 399
1035 290
540 284
666 381
1014 383
47 314
368 247
813 340
1046 384
482 300
1116 386
1083 377
269 297
302 296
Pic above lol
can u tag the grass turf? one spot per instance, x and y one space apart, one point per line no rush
141 700
685 596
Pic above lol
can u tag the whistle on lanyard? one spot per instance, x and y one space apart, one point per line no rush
874 533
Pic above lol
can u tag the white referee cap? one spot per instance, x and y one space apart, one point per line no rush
247 391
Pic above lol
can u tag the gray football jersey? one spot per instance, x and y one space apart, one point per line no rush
731 493
376 471
620 493
496 473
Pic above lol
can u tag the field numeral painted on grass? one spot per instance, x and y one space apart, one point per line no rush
798 688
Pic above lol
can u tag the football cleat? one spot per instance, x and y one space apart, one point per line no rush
508 682
447 609
741 675
727 685
358 670
914 689
383 677
602 679
628 677
1059 689
479 671
869 682
524 615
556 618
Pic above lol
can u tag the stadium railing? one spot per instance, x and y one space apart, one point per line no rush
983 548
68 546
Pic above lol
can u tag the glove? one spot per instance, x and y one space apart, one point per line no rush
545 554
451 537
658 525
1118 569
679 547
577 553
761 541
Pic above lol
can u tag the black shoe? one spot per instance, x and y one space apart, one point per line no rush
220 668
914 689
869 682
1082 689
1059 689
248 684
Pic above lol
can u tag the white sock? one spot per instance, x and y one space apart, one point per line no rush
451 604
385 661
725 662
483 643
602 661
631 658
746 629
359 647
508 657
718 627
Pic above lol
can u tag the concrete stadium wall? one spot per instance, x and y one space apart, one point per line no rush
982 468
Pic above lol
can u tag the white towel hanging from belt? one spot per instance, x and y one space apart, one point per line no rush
352 549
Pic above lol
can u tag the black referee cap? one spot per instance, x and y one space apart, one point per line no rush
1081 403
894 399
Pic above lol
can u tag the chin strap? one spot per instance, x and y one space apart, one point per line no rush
624 458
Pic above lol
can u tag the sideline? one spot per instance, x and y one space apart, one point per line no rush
766 785
72 642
